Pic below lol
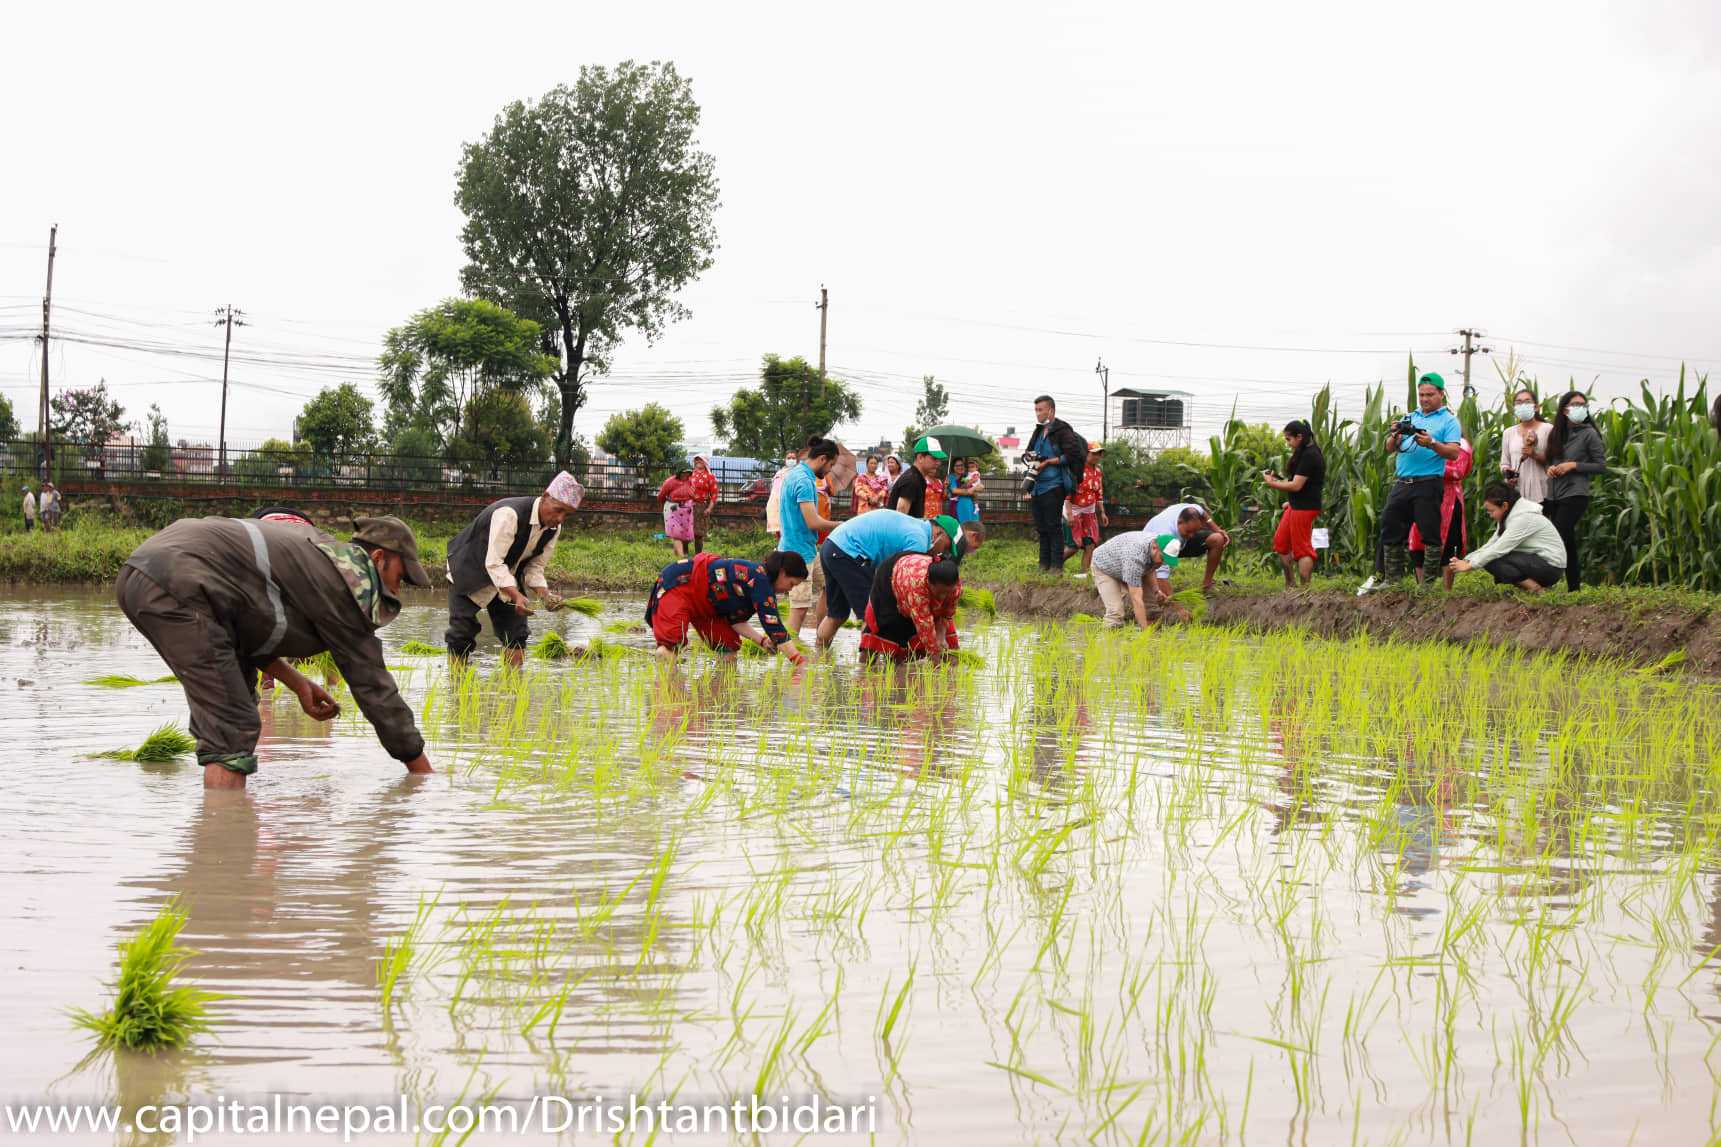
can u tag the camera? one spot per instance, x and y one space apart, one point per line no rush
1405 427
1030 462
1509 475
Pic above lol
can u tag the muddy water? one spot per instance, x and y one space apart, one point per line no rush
691 886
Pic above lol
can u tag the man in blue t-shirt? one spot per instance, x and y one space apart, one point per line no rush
860 545
798 503
1416 490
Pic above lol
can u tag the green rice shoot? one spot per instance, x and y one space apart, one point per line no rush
421 649
980 598
590 606
127 681
552 647
150 1012
1192 600
167 743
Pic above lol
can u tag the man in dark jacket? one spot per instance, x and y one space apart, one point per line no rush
506 546
222 599
1056 457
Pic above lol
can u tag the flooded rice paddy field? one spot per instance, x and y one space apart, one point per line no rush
1178 887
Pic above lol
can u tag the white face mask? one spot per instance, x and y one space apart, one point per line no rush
1578 413
1525 411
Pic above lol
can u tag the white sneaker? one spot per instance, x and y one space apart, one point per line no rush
1367 587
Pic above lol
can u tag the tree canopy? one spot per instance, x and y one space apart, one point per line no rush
791 404
499 431
587 210
442 358
337 421
158 454
8 420
90 415
648 439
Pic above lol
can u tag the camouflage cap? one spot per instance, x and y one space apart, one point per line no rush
390 533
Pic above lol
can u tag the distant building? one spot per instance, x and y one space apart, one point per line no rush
1152 419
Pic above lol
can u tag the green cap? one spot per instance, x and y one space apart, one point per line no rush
390 533
931 446
950 526
1170 545
1433 380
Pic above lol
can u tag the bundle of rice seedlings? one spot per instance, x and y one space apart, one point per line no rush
980 598
621 626
167 743
590 606
749 649
1192 600
970 659
1083 619
421 649
600 650
150 1011
552 647
127 681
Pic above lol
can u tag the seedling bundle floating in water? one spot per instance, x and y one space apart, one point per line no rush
127 681
150 1012
167 743
421 649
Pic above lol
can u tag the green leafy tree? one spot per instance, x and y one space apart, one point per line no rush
933 409
337 421
90 415
648 439
498 432
8 420
266 463
442 358
588 210
791 404
158 453
415 457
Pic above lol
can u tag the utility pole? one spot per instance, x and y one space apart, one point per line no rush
824 307
229 319
1467 350
1104 371
44 433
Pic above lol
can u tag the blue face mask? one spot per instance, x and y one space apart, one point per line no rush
1578 413
1524 411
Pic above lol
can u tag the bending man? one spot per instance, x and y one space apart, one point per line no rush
855 550
912 609
507 545
716 596
224 598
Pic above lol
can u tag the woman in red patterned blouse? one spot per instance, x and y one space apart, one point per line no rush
704 500
911 613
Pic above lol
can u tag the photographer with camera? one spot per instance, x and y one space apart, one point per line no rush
1424 441
1055 459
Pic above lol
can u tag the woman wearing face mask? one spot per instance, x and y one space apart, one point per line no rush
1522 447
1574 454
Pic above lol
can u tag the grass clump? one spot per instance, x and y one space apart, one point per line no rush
150 1012
167 743
127 681
421 649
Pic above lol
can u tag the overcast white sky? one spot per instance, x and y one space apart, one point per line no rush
997 194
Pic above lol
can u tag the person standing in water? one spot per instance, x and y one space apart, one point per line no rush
717 597
507 545
223 598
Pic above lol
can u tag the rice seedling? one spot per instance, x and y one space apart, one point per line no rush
151 1011
167 743
980 598
127 681
417 648
590 606
552 646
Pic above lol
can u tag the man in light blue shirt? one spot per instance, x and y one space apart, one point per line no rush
1423 441
855 550
802 524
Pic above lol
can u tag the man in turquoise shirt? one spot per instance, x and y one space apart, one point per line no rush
1416 490
856 549
802 523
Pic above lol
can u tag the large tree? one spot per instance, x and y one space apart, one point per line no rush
588 210
8 420
444 357
792 402
90 415
499 431
337 421
648 439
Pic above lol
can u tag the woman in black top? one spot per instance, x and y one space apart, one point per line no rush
1294 540
1575 453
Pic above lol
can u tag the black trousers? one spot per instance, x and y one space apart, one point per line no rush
462 635
1049 524
1417 502
1566 513
1514 568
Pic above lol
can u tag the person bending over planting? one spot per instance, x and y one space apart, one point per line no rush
1122 569
1527 551
1193 533
715 597
224 598
508 544
853 553
911 613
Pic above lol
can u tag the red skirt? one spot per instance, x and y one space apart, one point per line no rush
689 607
872 643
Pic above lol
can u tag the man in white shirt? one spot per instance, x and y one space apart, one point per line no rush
1196 533
29 510
507 545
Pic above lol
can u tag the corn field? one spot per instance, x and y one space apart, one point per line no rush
1654 517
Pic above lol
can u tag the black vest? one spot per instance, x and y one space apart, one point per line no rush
466 553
